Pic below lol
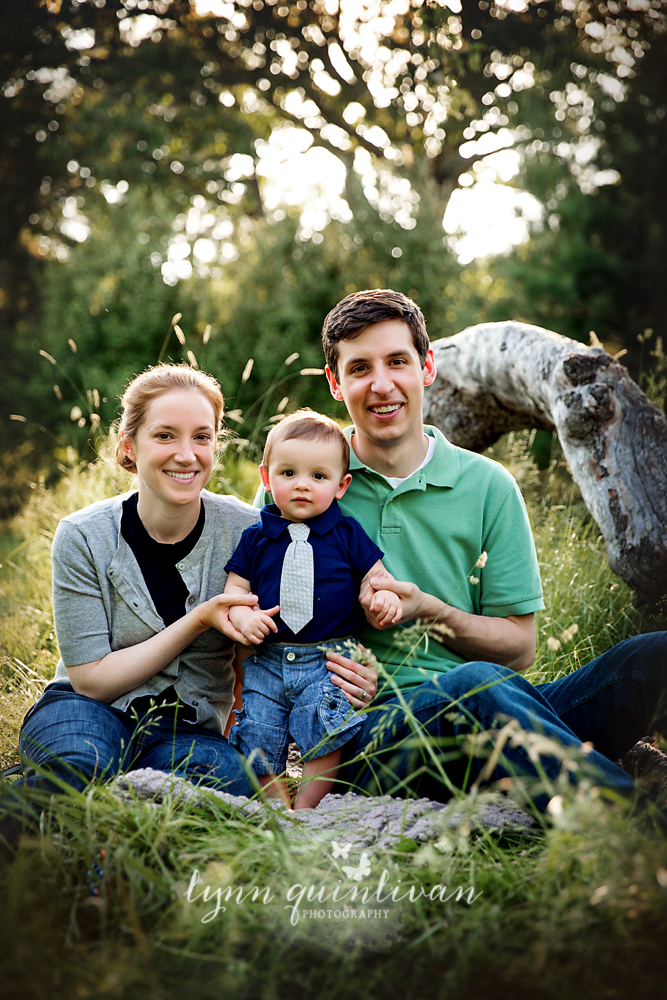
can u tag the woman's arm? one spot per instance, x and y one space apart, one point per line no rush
125 669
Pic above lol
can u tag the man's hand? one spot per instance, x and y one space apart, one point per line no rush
252 624
357 681
509 640
386 607
409 595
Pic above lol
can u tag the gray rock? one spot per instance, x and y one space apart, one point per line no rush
377 822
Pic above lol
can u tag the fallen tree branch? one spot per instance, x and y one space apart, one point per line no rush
497 377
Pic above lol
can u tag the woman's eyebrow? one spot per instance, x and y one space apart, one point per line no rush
170 427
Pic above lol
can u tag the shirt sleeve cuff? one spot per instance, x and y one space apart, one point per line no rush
516 608
370 562
85 652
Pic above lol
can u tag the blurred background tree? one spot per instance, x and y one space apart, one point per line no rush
146 144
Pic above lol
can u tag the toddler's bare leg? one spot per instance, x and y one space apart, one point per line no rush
275 787
314 787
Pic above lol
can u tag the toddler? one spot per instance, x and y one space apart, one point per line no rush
306 562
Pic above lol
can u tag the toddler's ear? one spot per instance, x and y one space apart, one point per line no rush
265 477
344 483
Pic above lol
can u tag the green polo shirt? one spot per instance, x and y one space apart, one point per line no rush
433 528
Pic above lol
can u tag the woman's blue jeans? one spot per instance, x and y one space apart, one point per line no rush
76 738
612 702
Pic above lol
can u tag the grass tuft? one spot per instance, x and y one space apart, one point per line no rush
576 909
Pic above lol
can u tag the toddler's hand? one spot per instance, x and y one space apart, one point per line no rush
254 624
386 607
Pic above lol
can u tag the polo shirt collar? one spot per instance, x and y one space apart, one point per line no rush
443 469
273 523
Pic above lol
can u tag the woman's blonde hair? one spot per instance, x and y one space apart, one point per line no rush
155 381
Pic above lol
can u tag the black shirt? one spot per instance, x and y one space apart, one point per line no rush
157 562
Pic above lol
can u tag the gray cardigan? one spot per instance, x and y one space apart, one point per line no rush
101 602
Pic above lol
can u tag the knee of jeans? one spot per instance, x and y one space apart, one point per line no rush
204 760
472 677
83 759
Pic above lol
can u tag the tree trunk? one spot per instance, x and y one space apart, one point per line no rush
497 377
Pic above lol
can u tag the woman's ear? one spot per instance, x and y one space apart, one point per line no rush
126 445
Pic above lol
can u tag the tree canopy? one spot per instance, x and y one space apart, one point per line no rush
162 111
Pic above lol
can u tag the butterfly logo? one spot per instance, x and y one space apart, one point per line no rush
361 871
340 850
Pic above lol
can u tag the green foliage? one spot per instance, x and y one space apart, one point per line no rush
583 899
598 263
106 314
119 112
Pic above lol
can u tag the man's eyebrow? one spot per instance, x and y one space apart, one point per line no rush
364 360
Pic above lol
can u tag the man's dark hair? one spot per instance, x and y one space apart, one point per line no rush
359 310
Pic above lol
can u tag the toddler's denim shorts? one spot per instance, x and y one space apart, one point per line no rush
288 693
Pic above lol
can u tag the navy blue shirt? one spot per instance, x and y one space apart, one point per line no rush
342 555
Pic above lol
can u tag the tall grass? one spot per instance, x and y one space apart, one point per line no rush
578 909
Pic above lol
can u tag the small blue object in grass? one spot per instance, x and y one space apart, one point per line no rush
96 876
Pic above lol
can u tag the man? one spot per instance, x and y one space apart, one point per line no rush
454 525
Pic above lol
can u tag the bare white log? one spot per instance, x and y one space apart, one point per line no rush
497 377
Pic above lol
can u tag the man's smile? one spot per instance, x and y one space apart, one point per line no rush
386 409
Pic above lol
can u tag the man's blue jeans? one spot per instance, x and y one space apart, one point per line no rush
611 702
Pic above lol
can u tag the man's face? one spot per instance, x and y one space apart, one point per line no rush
381 381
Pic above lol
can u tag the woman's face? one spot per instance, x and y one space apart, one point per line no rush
174 448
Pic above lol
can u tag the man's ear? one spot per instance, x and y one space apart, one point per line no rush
333 384
265 478
126 445
344 483
430 370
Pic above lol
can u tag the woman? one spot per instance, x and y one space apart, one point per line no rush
146 676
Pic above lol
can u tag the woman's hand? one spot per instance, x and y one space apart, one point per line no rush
214 613
252 623
357 681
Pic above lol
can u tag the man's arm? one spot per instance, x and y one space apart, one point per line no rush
508 641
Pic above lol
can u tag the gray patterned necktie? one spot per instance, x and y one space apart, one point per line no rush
297 579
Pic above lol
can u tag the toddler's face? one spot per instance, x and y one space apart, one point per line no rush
305 477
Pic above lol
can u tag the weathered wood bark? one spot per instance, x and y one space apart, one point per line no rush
497 377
